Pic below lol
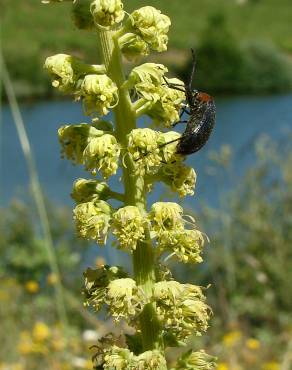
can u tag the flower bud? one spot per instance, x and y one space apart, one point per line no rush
142 145
180 178
107 13
92 220
74 139
196 361
66 71
88 190
96 282
128 227
133 46
124 298
152 26
99 94
102 154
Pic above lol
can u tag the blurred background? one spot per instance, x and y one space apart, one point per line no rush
243 199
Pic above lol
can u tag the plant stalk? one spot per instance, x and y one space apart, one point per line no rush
135 195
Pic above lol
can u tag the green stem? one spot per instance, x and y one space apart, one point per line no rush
143 256
117 196
143 110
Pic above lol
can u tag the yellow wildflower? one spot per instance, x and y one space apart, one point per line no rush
25 345
272 365
41 332
230 339
32 286
222 366
252 343
52 279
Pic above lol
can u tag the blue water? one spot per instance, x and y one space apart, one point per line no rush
240 121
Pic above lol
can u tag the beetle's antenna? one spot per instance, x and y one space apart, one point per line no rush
193 69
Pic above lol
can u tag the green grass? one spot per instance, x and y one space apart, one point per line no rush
31 31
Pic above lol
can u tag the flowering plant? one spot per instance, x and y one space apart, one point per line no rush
163 311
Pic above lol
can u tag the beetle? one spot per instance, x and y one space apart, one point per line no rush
202 116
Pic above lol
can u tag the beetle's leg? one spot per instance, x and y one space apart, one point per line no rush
160 146
171 85
176 123
184 110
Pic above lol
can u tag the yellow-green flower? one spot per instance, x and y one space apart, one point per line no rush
186 245
124 298
196 361
158 101
167 226
128 227
99 94
150 360
180 178
92 220
182 309
133 46
102 154
143 147
118 359
74 139
152 26
168 142
146 79
66 71
107 13
166 216
96 282
167 108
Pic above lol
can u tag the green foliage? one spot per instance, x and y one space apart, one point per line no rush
29 38
225 66
265 70
23 255
28 309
